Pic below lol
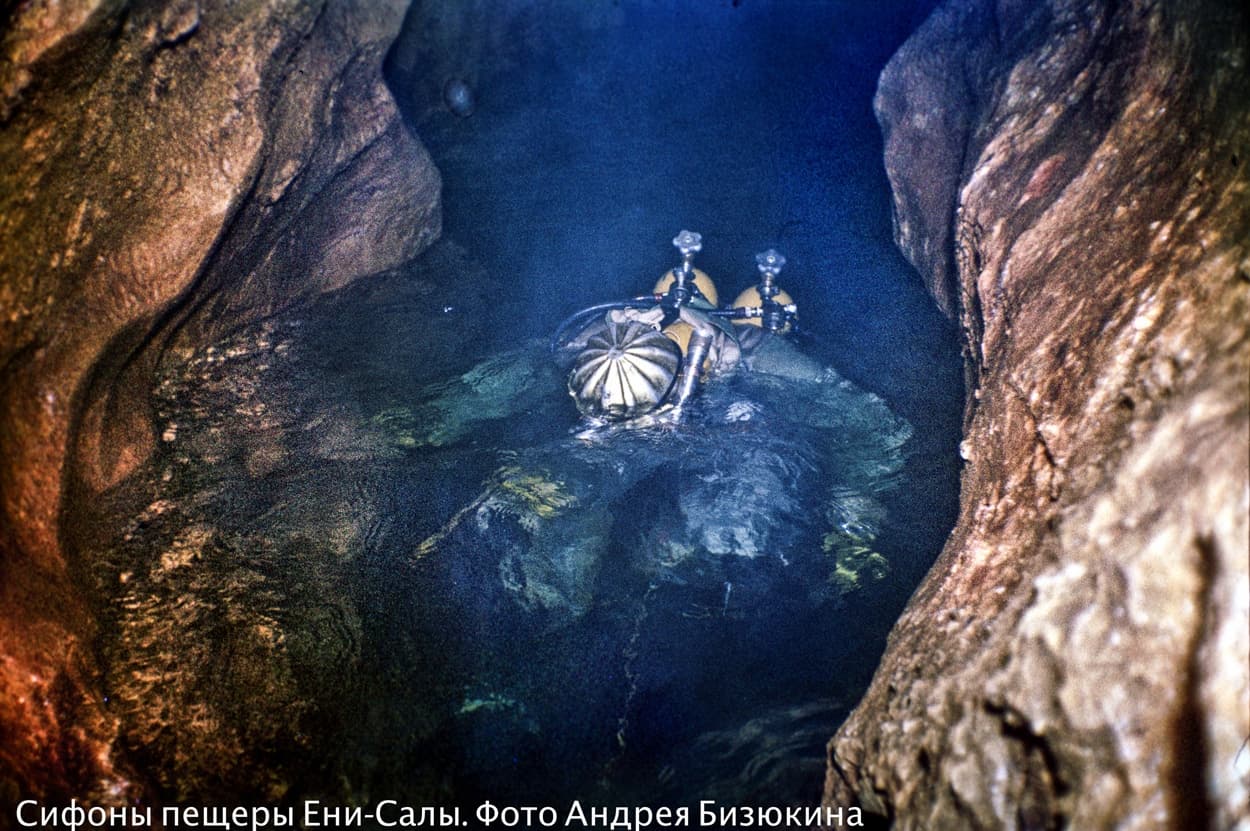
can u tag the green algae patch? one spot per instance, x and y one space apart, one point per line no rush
535 496
399 426
854 562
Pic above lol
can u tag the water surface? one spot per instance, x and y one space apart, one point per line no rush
378 556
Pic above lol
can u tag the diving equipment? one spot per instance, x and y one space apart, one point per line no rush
771 307
655 349
705 289
686 283
625 370
692 365
557 339
682 284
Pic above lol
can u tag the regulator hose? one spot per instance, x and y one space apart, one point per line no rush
635 303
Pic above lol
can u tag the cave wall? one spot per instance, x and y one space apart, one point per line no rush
1070 179
168 171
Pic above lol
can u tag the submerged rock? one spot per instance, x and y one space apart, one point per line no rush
446 584
651 552
777 452
1070 178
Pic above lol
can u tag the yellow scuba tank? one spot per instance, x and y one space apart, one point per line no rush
704 283
750 298
625 370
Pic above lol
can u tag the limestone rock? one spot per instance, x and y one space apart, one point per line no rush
168 171
1071 180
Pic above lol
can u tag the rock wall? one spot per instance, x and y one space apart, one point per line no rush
168 171
1070 178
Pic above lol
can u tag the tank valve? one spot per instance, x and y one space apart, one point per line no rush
770 264
775 312
688 243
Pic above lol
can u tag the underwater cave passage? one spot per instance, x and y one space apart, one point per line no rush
388 557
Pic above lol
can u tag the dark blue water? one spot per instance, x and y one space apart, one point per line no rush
380 557
599 131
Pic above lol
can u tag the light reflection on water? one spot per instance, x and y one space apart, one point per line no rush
442 588
374 559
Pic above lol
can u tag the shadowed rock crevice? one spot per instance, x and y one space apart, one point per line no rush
1191 805
171 172
1043 790
1062 654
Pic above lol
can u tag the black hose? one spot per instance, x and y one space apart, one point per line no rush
636 303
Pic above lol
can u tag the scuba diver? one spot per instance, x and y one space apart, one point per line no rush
804 453
647 355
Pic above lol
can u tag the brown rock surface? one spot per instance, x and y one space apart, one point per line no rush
1070 178
168 171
